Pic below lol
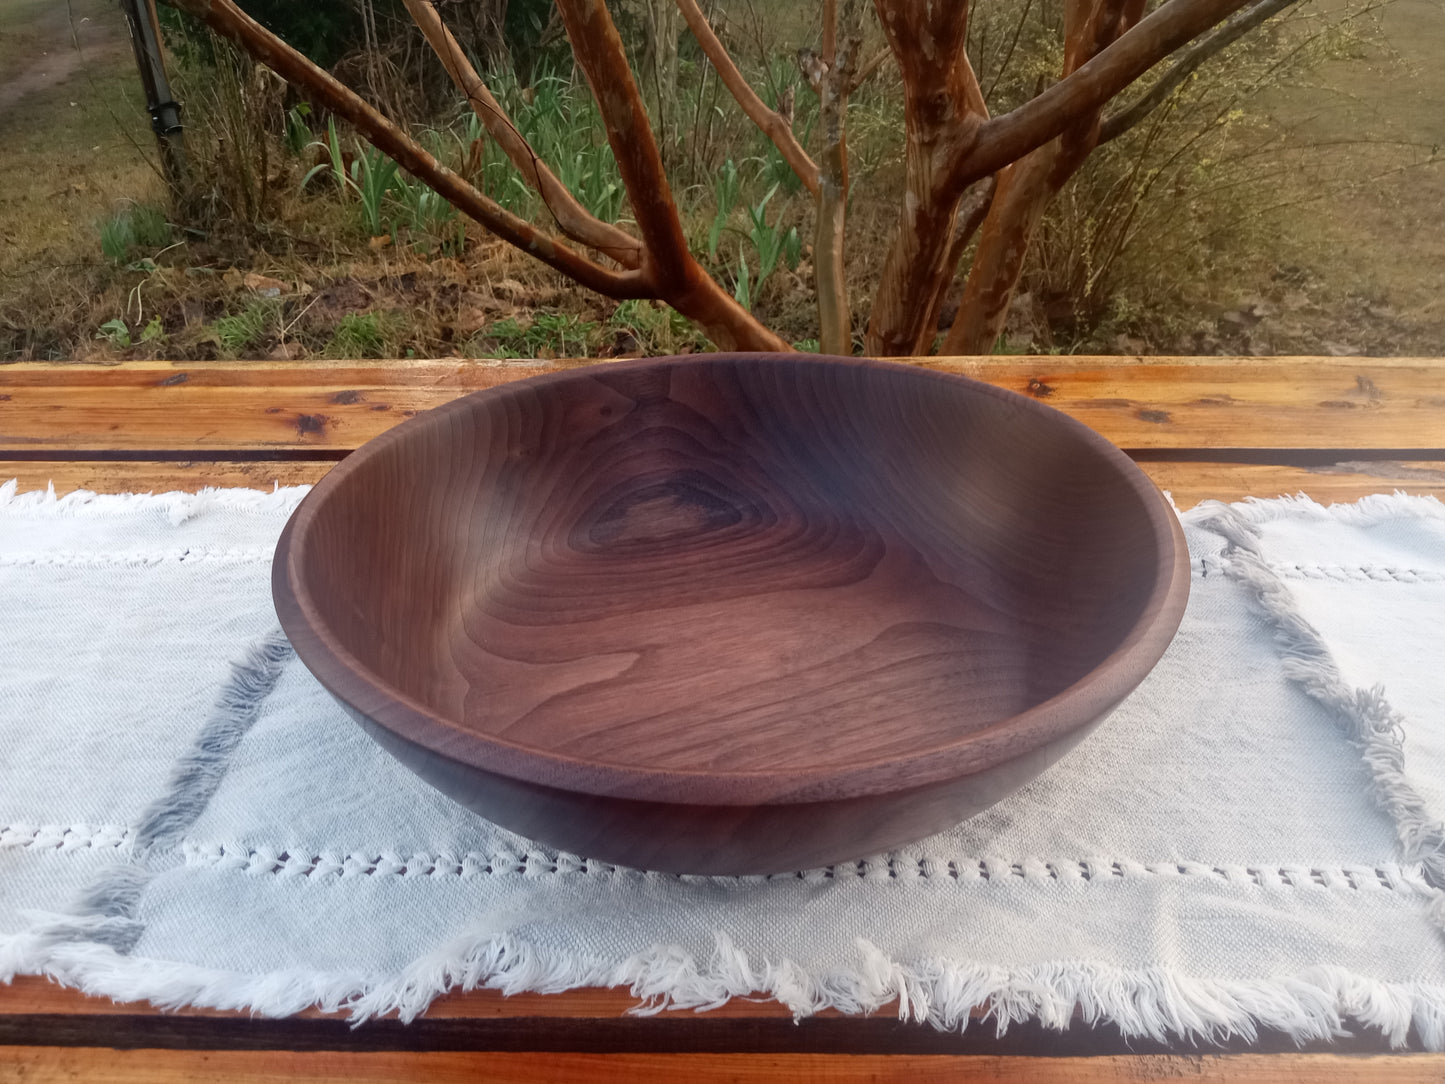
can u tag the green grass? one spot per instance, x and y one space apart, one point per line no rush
133 229
656 328
362 335
242 331
551 334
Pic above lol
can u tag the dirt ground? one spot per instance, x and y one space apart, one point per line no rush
1363 272
1359 272
72 119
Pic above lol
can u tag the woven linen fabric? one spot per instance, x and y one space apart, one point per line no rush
1253 839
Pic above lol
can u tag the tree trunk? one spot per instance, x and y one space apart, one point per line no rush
1026 189
943 114
832 77
1018 205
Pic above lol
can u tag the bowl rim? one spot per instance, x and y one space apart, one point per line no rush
1078 705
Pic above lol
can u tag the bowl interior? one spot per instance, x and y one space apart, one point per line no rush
731 564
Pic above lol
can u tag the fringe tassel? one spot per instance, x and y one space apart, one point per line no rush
1367 718
199 772
175 507
1154 1003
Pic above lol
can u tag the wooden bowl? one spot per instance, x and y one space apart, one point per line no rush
732 614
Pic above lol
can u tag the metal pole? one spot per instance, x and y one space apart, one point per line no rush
165 112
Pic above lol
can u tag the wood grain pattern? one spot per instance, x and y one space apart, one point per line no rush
159 476
41 1065
1136 403
732 614
1188 482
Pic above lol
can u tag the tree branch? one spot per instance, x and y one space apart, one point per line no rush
972 92
835 75
226 19
971 213
773 125
603 59
1188 61
1009 137
572 218
666 261
943 112
868 67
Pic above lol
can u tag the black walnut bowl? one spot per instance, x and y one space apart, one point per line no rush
732 614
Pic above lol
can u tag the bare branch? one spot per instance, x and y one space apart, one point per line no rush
602 58
772 124
971 213
226 19
1187 62
573 219
1009 137
973 98
1026 187
1024 190
869 67
1012 45
836 71
667 263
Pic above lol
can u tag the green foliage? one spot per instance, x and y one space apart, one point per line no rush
769 240
298 131
546 334
241 331
431 222
154 331
560 120
725 196
742 290
115 332
135 226
525 31
115 240
372 176
335 162
361 335
656 329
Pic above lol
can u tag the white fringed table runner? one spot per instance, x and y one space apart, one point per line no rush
1253 839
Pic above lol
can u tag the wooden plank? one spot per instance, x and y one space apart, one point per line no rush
481 372
1188 482
33 995
35 1011
1137 403
152 476
44 1064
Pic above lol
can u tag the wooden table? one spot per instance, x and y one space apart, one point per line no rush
1225 428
